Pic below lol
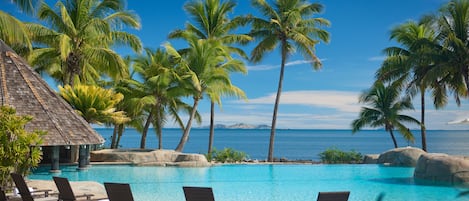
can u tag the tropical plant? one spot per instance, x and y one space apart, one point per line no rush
384 110
335 155
453 28
95 104
76 47
160 90
18 148
211 22
227 155
12 31
411 64
291 25
205 64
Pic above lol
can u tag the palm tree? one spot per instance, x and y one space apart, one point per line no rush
12 31
289 24
385 107
205 64
412 63
212 23
160 88
76 47
454 27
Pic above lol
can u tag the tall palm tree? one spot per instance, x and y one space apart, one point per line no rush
212 23
454 27
412 62
292 25
77 46
384 110
161 88
206 64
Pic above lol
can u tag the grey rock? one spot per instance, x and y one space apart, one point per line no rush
405 156
371 159
443 168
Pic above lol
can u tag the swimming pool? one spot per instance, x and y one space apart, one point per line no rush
263 182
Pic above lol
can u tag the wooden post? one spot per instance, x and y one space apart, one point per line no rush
82 157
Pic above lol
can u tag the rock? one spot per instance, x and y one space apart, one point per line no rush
150 157
371 159
406 156
442 168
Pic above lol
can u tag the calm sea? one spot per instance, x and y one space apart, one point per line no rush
294 143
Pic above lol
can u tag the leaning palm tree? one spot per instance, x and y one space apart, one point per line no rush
77 45
160 87
411 63
290 24
211 22
384 110
205 65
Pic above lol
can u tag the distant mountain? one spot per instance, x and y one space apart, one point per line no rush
239 126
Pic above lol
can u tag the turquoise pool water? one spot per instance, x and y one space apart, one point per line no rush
263 182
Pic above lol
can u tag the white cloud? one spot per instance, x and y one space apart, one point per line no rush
338 100
274 66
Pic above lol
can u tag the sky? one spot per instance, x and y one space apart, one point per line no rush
311 99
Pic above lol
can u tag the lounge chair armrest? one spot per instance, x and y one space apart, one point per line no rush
88 196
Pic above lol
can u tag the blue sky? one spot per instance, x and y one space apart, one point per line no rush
324 99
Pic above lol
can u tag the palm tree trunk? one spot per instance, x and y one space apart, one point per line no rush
114 136
270 157
120 131
393 138
187 130
212 127
422 122
145 130
160 138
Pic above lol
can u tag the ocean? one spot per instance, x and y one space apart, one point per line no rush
296 144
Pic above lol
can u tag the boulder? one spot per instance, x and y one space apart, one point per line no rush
405 156
443 168
371 159
150 157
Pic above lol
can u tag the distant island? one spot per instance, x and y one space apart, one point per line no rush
239 126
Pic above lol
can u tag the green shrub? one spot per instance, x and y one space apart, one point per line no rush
334 155
227 155
18 150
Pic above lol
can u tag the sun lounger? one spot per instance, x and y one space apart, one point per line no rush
66 192
118 192
3 196
24 191
333 196
198 193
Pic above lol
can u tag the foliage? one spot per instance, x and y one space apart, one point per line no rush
290 25
18 150
227 155
384 109
334 155
94 104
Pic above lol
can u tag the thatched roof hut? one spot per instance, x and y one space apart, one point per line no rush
24 89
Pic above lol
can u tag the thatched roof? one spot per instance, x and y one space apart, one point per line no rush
24 89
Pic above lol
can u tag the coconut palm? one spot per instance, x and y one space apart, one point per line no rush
385 109
76 47
206 64
291 25
412 63
211 22
454 27
160 88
